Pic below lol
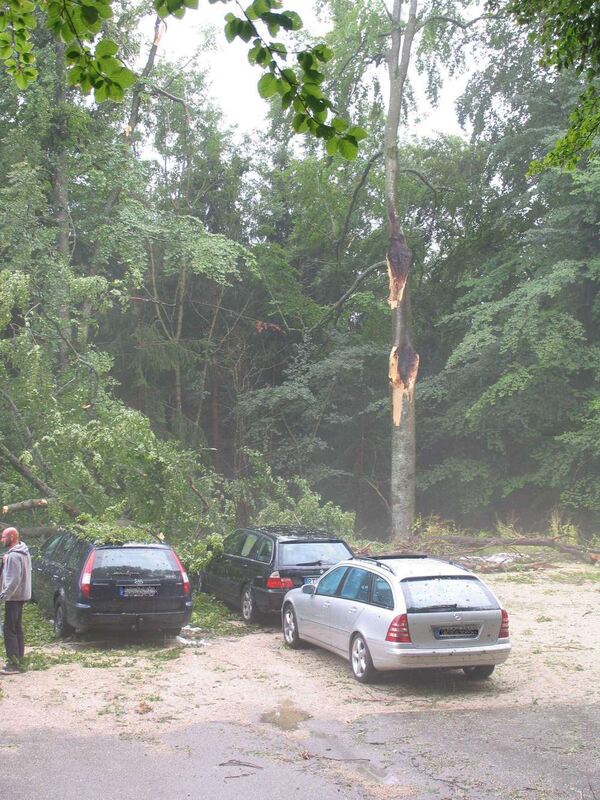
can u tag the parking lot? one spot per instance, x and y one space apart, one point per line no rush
242 714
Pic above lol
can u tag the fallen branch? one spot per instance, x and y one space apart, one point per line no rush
25 505
475 545
39 484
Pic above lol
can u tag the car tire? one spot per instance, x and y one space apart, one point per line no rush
361 661
248 606
60 624
479 673
290 628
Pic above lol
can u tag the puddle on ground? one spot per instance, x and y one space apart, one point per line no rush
286 716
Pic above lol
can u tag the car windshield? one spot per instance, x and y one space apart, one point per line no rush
453 593
312 554
138 562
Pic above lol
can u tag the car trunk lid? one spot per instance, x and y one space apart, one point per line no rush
134 580
451 612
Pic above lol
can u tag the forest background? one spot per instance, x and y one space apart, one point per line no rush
191 334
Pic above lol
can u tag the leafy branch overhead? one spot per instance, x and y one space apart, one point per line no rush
95 65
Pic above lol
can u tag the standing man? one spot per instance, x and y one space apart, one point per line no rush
15 590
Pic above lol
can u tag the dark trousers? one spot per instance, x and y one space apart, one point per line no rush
14 641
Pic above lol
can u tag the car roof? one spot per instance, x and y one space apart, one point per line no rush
290 533
412 566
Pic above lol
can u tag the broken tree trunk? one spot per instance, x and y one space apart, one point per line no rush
403 361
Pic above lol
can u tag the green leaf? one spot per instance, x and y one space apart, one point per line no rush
357 133
300 123
101 93
125 78
89 14
106 47
115 92
339 124
348 148
331 146
21 80
267 85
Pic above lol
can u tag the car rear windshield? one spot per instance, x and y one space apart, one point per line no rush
460 593
305 554
140 562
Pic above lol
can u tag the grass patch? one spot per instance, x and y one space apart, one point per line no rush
215 618
45 650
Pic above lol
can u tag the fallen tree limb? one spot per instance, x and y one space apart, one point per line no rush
39 484
474 545
25 505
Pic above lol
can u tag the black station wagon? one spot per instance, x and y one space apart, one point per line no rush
84 586
259 565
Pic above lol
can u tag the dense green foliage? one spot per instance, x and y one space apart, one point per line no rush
175 353
568 32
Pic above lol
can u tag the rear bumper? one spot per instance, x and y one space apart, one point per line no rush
388 656
269 601
84 618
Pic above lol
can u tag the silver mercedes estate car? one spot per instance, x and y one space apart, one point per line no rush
400 612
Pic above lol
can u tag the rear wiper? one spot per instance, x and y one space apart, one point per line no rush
447 607
310 564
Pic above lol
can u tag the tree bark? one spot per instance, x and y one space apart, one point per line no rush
60 199
404 361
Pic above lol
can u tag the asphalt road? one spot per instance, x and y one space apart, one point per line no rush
549 753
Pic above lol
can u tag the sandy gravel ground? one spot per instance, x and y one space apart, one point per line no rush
555 629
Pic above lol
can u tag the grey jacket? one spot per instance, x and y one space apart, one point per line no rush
15 575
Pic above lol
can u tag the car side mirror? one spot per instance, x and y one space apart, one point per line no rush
308 588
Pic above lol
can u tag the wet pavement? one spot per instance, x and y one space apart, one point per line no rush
549 753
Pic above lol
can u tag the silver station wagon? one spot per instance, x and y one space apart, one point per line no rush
400 612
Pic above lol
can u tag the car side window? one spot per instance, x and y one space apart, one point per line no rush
232 545
249 543
50 548
382 594
75 559
357 585
329 584
64 549
263 550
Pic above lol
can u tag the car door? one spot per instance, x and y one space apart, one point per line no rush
347 608
42 573
315 612
217 577
57 569
242 568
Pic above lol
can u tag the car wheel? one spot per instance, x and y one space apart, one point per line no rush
60 624
248 606
479 673
290 628
360 659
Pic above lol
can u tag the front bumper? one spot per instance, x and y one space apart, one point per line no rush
83 618
388 656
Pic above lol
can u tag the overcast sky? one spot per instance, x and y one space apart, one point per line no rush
234 80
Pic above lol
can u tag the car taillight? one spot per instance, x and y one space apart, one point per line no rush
184 575
275 581
85 582
504 634
398 630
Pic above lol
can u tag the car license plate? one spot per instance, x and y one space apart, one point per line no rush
138 591
456 633
311 580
